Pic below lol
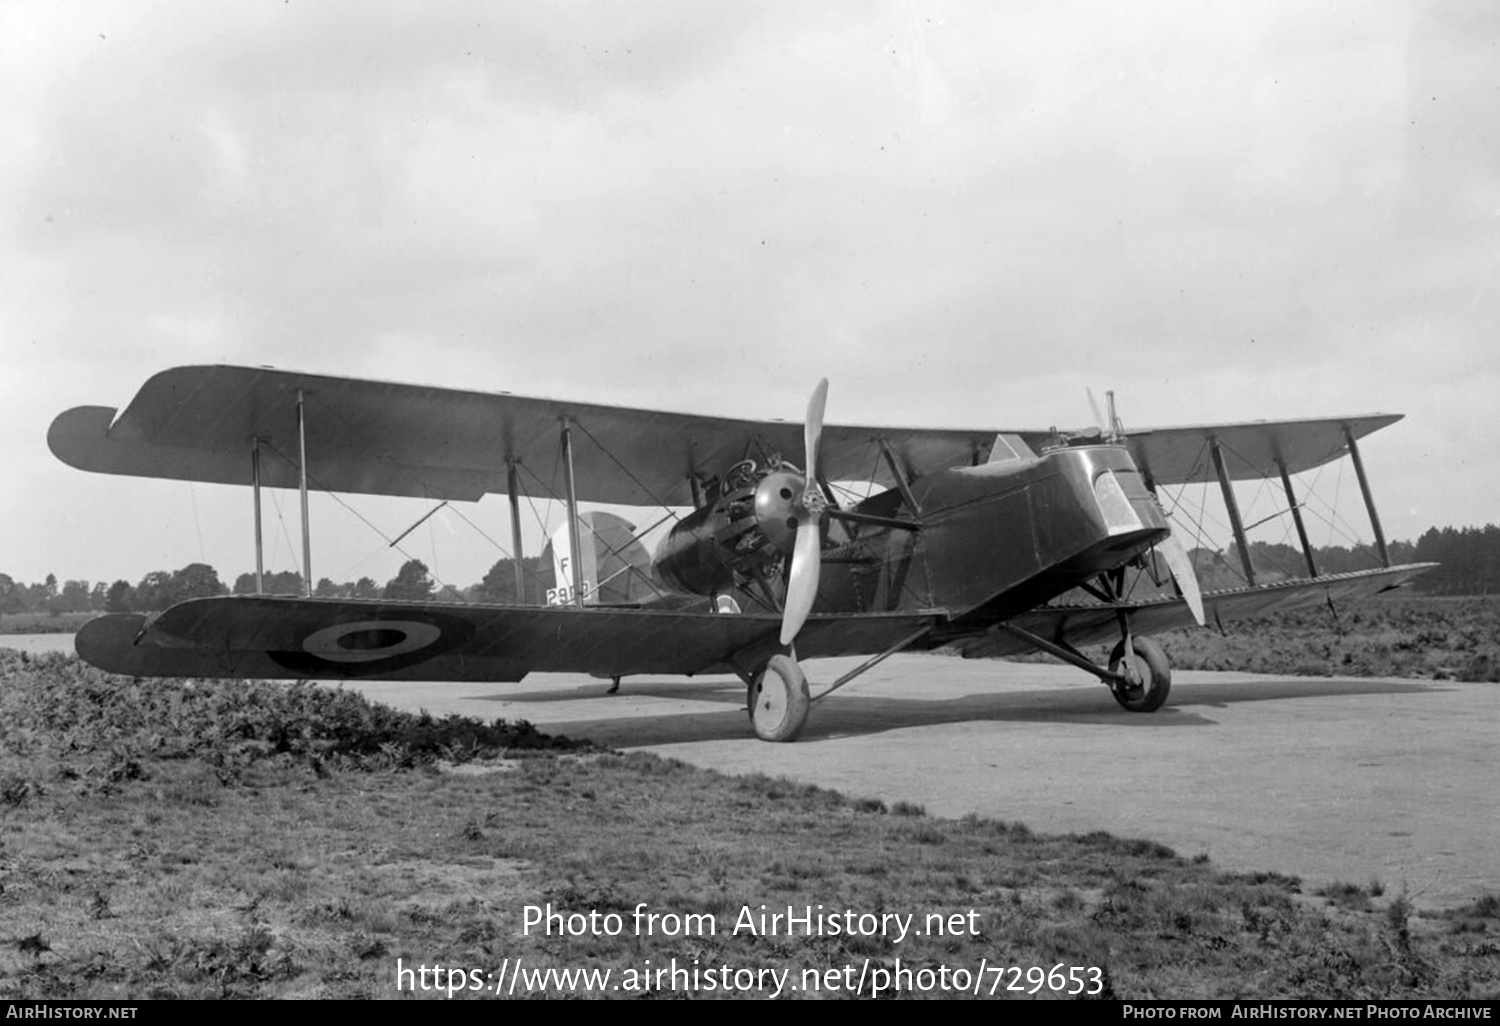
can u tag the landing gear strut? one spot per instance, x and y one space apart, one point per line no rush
777 697
1140 679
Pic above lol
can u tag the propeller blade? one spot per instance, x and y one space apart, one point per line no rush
802 581
1181 565
807 553
812 430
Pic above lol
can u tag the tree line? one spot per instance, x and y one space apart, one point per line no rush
1469 558
161 588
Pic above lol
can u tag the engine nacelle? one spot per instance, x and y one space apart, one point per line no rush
748 530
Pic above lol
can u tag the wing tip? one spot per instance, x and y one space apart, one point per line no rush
77 435
108 642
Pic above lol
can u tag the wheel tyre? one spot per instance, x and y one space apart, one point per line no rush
778 701
1151 693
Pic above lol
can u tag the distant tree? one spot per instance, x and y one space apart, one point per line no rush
159 589
366 588
119 598
1470 559
287 582
326 588
412 583
1336 559
196 580
499 585
154 591
98 596
74 598
12 595
41 596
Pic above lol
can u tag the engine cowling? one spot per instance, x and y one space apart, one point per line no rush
747 531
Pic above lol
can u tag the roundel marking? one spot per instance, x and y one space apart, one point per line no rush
365 641
375 647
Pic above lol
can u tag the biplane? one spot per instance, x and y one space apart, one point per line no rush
972 539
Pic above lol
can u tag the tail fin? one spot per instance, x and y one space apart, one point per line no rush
614 566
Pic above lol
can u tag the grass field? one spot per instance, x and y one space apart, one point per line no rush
193 838
43 623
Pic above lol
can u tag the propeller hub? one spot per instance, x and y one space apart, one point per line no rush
779 498
814 502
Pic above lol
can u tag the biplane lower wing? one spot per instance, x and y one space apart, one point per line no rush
292 638
1096 622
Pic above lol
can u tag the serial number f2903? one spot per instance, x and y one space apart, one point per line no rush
565 595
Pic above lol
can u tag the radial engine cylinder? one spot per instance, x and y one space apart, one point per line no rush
747 530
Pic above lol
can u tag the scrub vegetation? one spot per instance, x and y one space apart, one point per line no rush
1403 635
1430 637
205 839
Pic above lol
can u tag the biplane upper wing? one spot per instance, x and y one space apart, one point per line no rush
1092 623
383 438
373 437
291 638
1256 449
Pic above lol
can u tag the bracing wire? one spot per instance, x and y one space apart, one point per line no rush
197 523
313 481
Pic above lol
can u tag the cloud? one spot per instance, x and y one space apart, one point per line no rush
1222 212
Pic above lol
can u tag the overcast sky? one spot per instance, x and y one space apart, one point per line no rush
962 214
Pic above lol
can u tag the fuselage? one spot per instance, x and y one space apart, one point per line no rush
1000 537
985 541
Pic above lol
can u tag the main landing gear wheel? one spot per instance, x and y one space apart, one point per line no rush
1149 693
778 700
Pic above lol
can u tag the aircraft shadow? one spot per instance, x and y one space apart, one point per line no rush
1217 695
717 690
853 714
